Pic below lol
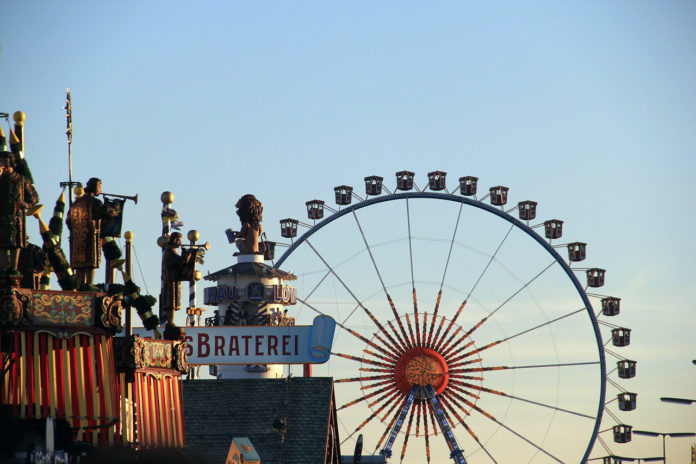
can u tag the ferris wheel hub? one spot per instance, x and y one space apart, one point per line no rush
421 366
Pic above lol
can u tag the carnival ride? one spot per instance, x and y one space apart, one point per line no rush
507 358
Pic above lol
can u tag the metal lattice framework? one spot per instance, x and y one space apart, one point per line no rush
433 368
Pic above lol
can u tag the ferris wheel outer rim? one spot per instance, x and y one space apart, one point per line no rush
515 222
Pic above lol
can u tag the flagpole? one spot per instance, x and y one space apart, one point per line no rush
68 133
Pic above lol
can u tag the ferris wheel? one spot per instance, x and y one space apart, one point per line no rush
463 332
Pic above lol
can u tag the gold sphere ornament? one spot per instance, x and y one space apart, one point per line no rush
193 235
198 275
19 117
128 236
163 241
79 191
167 198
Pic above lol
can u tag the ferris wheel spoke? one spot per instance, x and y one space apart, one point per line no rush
444 273
408 433
361 360
432 320
413 280
482 321
425 323
395 353
404 345
429 407
366 397
367 311
490 260
476 439
503 340
544 405
391 423
410 330
455 389
415 314
451 323
445 400
517 434
417 406
449 340
450 353
378 356
452 394
328 273
387 400
439 329
370 369
381 281
424 413
467 377
527 284
552 321
377 384
455 372
363 379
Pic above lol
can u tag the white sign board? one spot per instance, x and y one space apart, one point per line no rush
299 344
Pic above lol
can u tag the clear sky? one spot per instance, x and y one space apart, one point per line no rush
585 107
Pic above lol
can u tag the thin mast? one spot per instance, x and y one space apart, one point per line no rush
68 133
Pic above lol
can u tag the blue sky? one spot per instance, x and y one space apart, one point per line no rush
586 107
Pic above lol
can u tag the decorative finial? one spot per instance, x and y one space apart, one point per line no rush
128 236
79 191
167 198
193 236
19 117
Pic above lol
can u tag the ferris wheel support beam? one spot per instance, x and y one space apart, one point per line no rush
387 450
456 453
514 222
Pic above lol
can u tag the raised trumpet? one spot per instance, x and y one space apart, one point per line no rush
196 246
134 197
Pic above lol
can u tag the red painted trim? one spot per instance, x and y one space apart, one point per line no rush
89 388
60 378
31 392
45 379
74 398
139 408
166 411
15 374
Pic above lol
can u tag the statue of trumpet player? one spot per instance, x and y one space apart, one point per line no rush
84 221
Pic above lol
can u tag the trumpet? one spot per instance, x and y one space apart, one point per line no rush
196 246
134 197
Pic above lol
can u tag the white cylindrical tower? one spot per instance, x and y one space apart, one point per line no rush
250 293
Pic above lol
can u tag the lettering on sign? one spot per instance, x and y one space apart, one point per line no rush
255 292
300 344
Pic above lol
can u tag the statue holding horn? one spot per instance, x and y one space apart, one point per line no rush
84 221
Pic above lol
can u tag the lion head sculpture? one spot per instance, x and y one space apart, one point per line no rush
250 210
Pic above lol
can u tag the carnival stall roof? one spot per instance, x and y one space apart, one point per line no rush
251 268
287 420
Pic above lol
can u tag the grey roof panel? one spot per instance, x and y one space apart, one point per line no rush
216 411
